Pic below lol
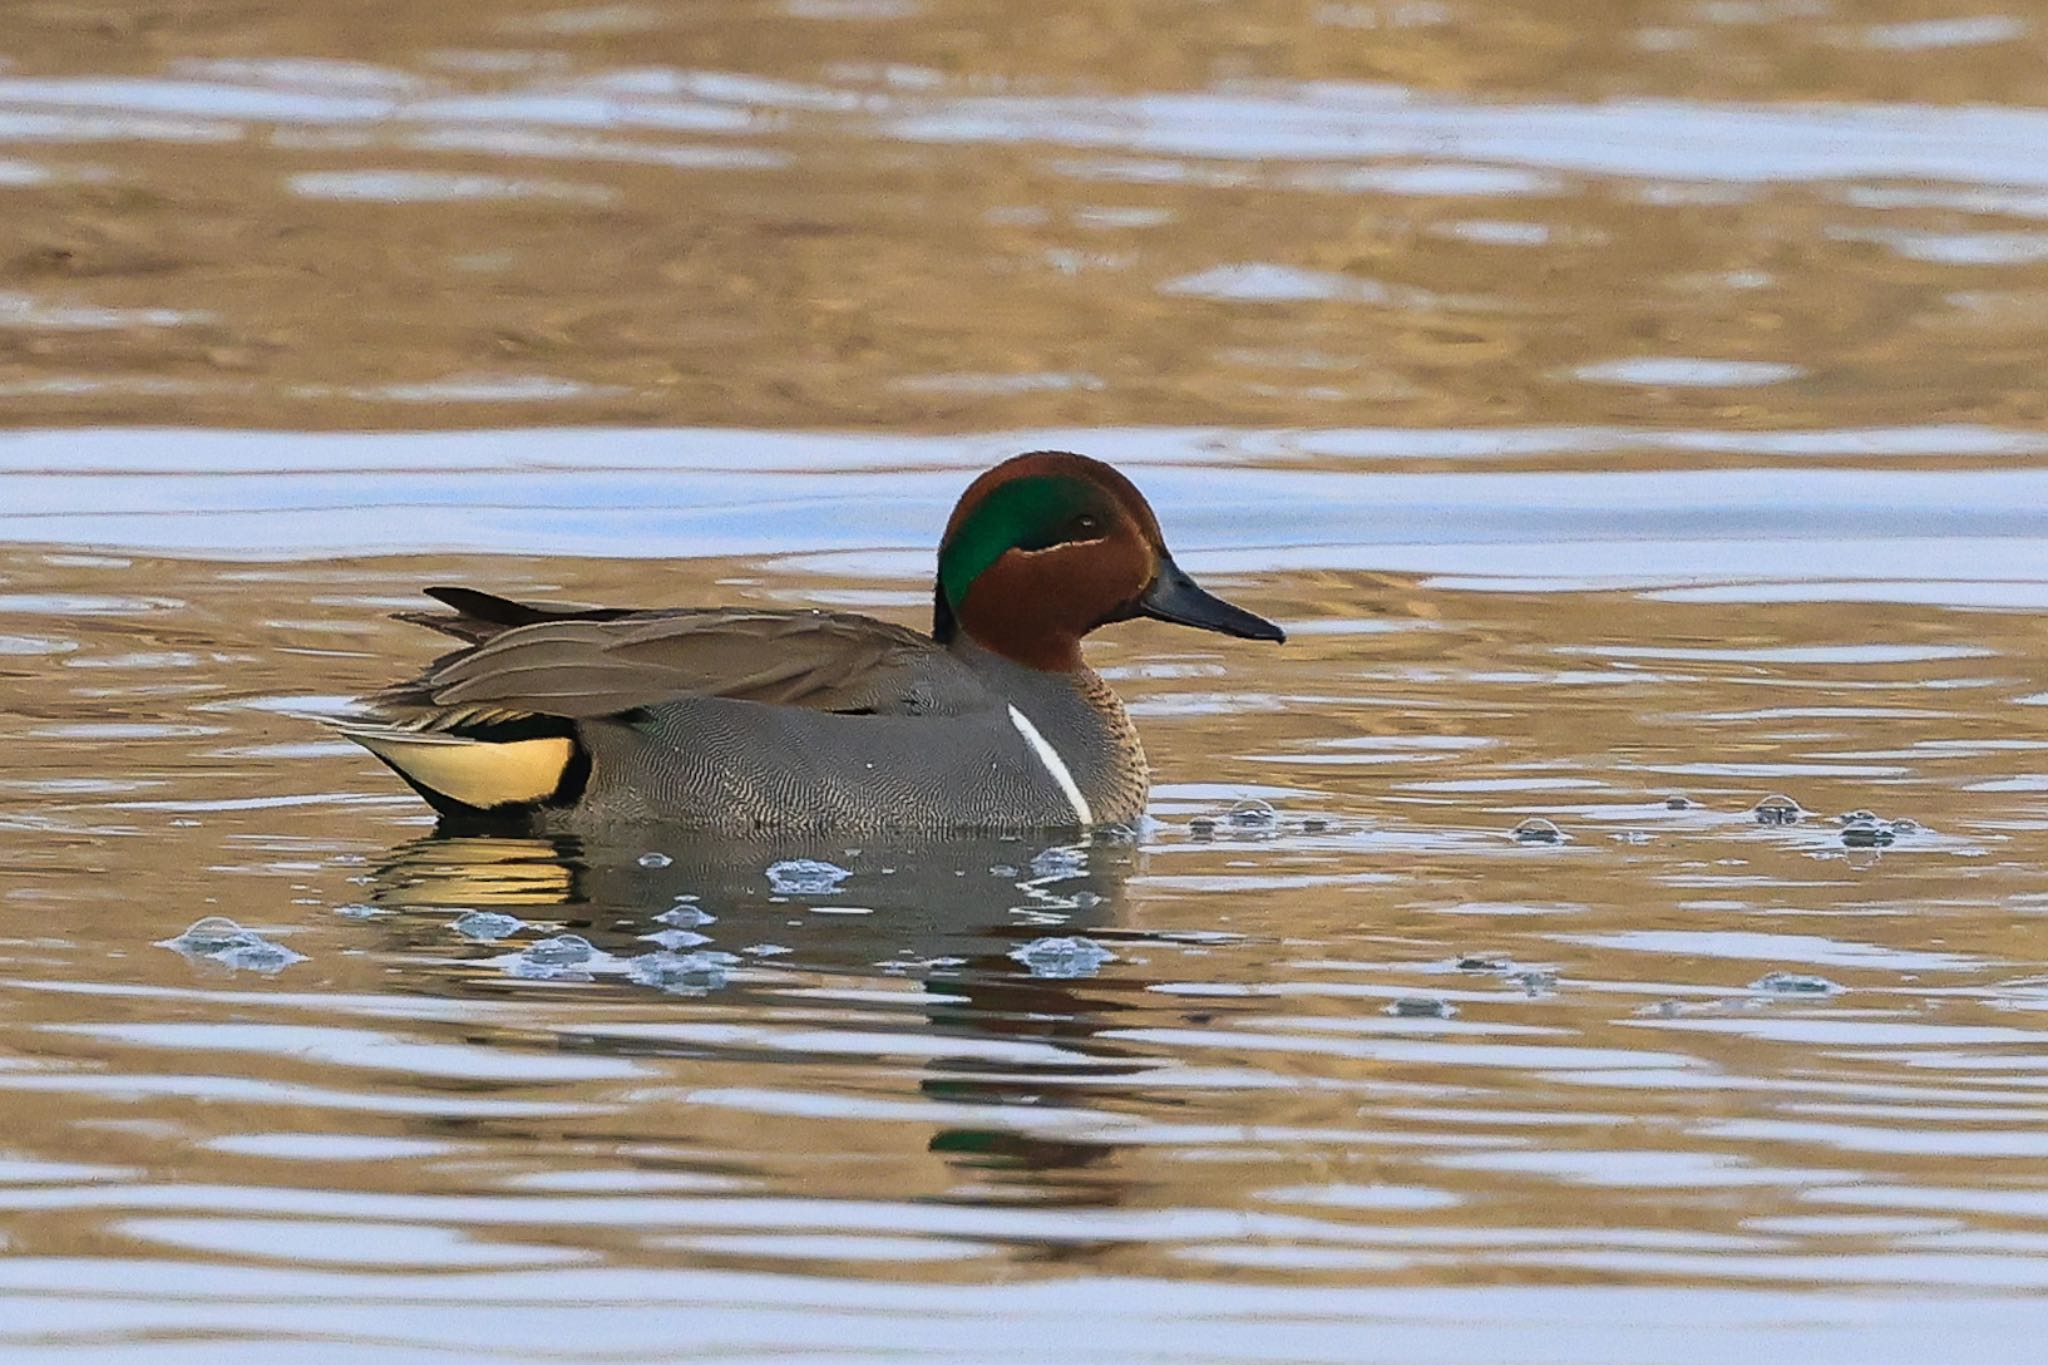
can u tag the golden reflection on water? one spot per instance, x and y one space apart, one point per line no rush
928 215
1615 404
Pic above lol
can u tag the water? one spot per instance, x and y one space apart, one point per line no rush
1632 415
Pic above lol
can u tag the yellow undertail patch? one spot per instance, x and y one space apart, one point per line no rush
473 771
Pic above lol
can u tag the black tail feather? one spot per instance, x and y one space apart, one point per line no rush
482 615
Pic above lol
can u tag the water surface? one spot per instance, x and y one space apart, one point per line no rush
1632 413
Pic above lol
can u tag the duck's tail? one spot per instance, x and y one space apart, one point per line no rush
468 774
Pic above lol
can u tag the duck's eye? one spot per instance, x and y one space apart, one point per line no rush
1087 526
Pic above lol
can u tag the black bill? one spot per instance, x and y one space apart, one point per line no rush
1175 597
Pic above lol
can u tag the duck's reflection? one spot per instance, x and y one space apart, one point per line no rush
836 907
958 916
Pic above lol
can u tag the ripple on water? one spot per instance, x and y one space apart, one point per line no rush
419 187
1689 372
419 1246
36 644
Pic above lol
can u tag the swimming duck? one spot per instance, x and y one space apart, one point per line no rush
736 719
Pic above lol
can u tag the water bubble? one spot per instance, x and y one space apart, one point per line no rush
1793 983
1202 827
487 926
563 950
1420 1007
766 950
262 957
673 939
561 958
1906 825
1002 870
1856 817
1533 980
805 877
1677 802
1537 830
681 973
360 911
1777 810
1483 962
1633 837
215 933
685 917
1252 813
219 939
1314 824
655 860
1059 862
1871 833
907 962
1063 957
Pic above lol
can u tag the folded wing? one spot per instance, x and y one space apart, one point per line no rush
581 664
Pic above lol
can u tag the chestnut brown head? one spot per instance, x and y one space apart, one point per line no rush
1047 546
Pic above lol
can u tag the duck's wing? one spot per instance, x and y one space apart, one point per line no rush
589 663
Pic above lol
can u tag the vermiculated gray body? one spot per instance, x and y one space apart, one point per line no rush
742 721
714 763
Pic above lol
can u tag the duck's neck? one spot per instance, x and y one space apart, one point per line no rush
1037 649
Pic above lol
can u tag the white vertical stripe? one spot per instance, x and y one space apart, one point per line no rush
1054 764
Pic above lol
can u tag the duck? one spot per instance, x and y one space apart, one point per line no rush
554 717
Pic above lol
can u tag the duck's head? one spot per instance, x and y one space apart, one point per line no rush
1045 547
